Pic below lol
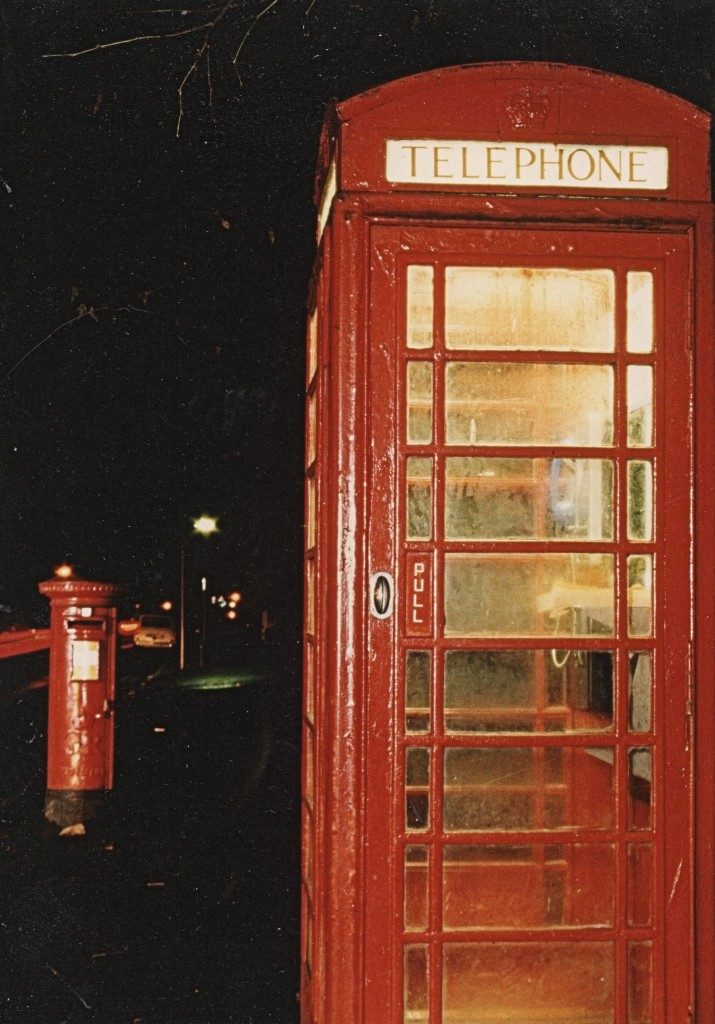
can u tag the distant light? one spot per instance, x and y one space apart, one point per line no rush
235 596
64 571
231 614
204 583
206 525
166 606
232 604
213 599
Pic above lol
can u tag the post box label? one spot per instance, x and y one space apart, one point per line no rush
85 661
526 164
418 606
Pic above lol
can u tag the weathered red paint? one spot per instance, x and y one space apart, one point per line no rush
354 744
80 740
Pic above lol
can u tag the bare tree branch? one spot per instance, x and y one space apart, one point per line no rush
256 19
199 54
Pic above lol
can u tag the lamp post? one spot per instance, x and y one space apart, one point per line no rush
205 526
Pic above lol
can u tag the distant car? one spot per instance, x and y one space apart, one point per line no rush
154 631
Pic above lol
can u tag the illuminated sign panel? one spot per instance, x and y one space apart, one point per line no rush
526 164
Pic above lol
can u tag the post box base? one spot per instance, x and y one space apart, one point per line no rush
65 807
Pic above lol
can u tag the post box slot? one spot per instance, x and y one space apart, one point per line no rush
89 624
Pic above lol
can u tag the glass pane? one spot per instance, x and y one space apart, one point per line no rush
417 788
524 498
416 987
569 982
528 691
639 387
514 788
309 764
420 306
419 499
530 307
312 428
640 500
528 886
310 532
640 884
640 690
529 403
312 345
419 403
309 680
640 983
639 330
310 596
418 671
416 882
639 787
640 595
529 595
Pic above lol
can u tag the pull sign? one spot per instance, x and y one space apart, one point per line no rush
418 606
382 589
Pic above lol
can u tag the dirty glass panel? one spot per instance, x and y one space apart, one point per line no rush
528 691
418 672
640 884
529 403
512 499
640 983
415 984
566 594
640 595
640 765
419 499
523 788
530 308
419 403
570 982
640 690
416 883
640 500
417 788
505 886
420 306
639 394
639 310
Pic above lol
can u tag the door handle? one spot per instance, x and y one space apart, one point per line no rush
382 587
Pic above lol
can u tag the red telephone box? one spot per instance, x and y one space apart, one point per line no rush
80 732
508 713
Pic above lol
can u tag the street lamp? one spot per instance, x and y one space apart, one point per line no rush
205 526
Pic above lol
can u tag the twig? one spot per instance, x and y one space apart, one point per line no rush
209 83
180 91
88 312
138 39
250 29
310 7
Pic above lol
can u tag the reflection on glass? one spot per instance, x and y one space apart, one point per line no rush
640 983
528 691
529 594
417 691
312 429
639 390
640 595
310 681
416 986
640 689
639 329
310 596
523 788
416 880
639 787
310 533
524 498
571 982
312 345
420 305
309 765
419 403
530 308
640 500
504 886
529 403
417 788
640 884
419 499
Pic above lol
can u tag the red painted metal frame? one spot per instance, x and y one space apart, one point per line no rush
355 702
24 641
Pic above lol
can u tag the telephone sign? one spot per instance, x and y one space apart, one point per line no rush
507 795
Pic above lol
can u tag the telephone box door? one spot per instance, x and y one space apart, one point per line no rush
528 697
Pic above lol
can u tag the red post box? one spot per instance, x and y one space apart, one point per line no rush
80 740
508 712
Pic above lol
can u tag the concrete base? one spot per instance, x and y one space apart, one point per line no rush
65 807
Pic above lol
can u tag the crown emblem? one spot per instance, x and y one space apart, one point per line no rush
528 107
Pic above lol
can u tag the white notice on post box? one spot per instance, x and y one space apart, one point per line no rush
526 164
85 660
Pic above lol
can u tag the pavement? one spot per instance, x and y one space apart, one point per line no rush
180 903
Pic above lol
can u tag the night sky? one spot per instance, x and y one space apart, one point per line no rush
158 283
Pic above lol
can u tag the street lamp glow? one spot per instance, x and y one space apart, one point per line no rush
206 525
166 606
64 571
